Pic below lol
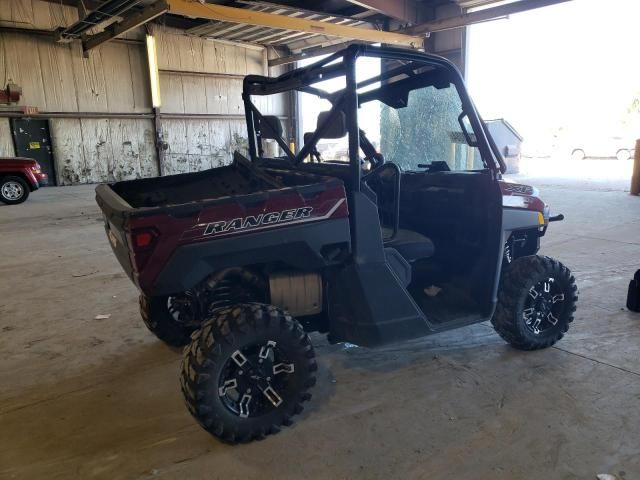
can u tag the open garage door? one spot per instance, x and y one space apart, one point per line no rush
572 96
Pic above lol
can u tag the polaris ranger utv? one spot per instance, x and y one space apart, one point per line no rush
414 237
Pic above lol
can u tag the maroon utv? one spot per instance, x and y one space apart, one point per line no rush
413 233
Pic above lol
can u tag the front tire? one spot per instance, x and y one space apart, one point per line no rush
247 372
160 321
13 190
536 302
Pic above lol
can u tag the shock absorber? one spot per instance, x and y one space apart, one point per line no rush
232 286
220 295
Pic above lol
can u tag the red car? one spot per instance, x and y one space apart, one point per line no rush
19 177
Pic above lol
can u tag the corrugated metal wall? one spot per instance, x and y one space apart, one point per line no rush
56 78
202 79
201 83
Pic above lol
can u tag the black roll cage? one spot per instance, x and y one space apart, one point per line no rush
440 72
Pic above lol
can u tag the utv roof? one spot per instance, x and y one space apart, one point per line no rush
326 68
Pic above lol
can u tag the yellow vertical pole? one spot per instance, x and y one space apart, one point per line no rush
635 178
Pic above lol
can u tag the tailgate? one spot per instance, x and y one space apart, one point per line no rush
115 212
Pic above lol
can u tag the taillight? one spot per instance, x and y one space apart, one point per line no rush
142 240
142 243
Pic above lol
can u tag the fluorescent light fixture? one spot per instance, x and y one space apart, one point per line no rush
154 77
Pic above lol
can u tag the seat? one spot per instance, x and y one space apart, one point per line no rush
411 245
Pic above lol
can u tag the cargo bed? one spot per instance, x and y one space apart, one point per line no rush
148 220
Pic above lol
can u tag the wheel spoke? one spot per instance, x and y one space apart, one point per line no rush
283 368
272 396
265 350
533 293
239 358
558 298
228 385
536 326
244 405
527 314
551 319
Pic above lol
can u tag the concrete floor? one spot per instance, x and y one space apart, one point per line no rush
86 398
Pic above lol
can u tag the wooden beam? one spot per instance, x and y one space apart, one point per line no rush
479 16
129 23
250 17
403 10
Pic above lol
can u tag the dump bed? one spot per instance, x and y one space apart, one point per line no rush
149 221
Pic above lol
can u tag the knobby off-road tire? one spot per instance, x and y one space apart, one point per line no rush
243 359
160 321
536 302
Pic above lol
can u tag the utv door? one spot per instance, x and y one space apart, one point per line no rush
445 216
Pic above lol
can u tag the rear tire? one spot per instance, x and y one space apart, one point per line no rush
536 302
161 322
13 190
247 372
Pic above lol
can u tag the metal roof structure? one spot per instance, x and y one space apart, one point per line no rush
289 25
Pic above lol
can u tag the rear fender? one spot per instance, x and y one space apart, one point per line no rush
304 247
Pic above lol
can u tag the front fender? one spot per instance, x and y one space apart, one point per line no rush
520 219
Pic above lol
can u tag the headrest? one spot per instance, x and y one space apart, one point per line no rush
270 127
337 128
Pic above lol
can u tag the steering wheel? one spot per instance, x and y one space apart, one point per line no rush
376 159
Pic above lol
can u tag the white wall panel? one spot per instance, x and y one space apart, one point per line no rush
36 14
200 144
22 66
118 83
6 140
139 78
114 79
194 94
103 150
89 78
57 77
132 143
66 138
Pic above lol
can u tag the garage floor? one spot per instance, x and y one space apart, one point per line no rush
87 398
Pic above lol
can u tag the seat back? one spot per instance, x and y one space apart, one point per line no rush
336 129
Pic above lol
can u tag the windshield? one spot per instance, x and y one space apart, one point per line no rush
427 130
